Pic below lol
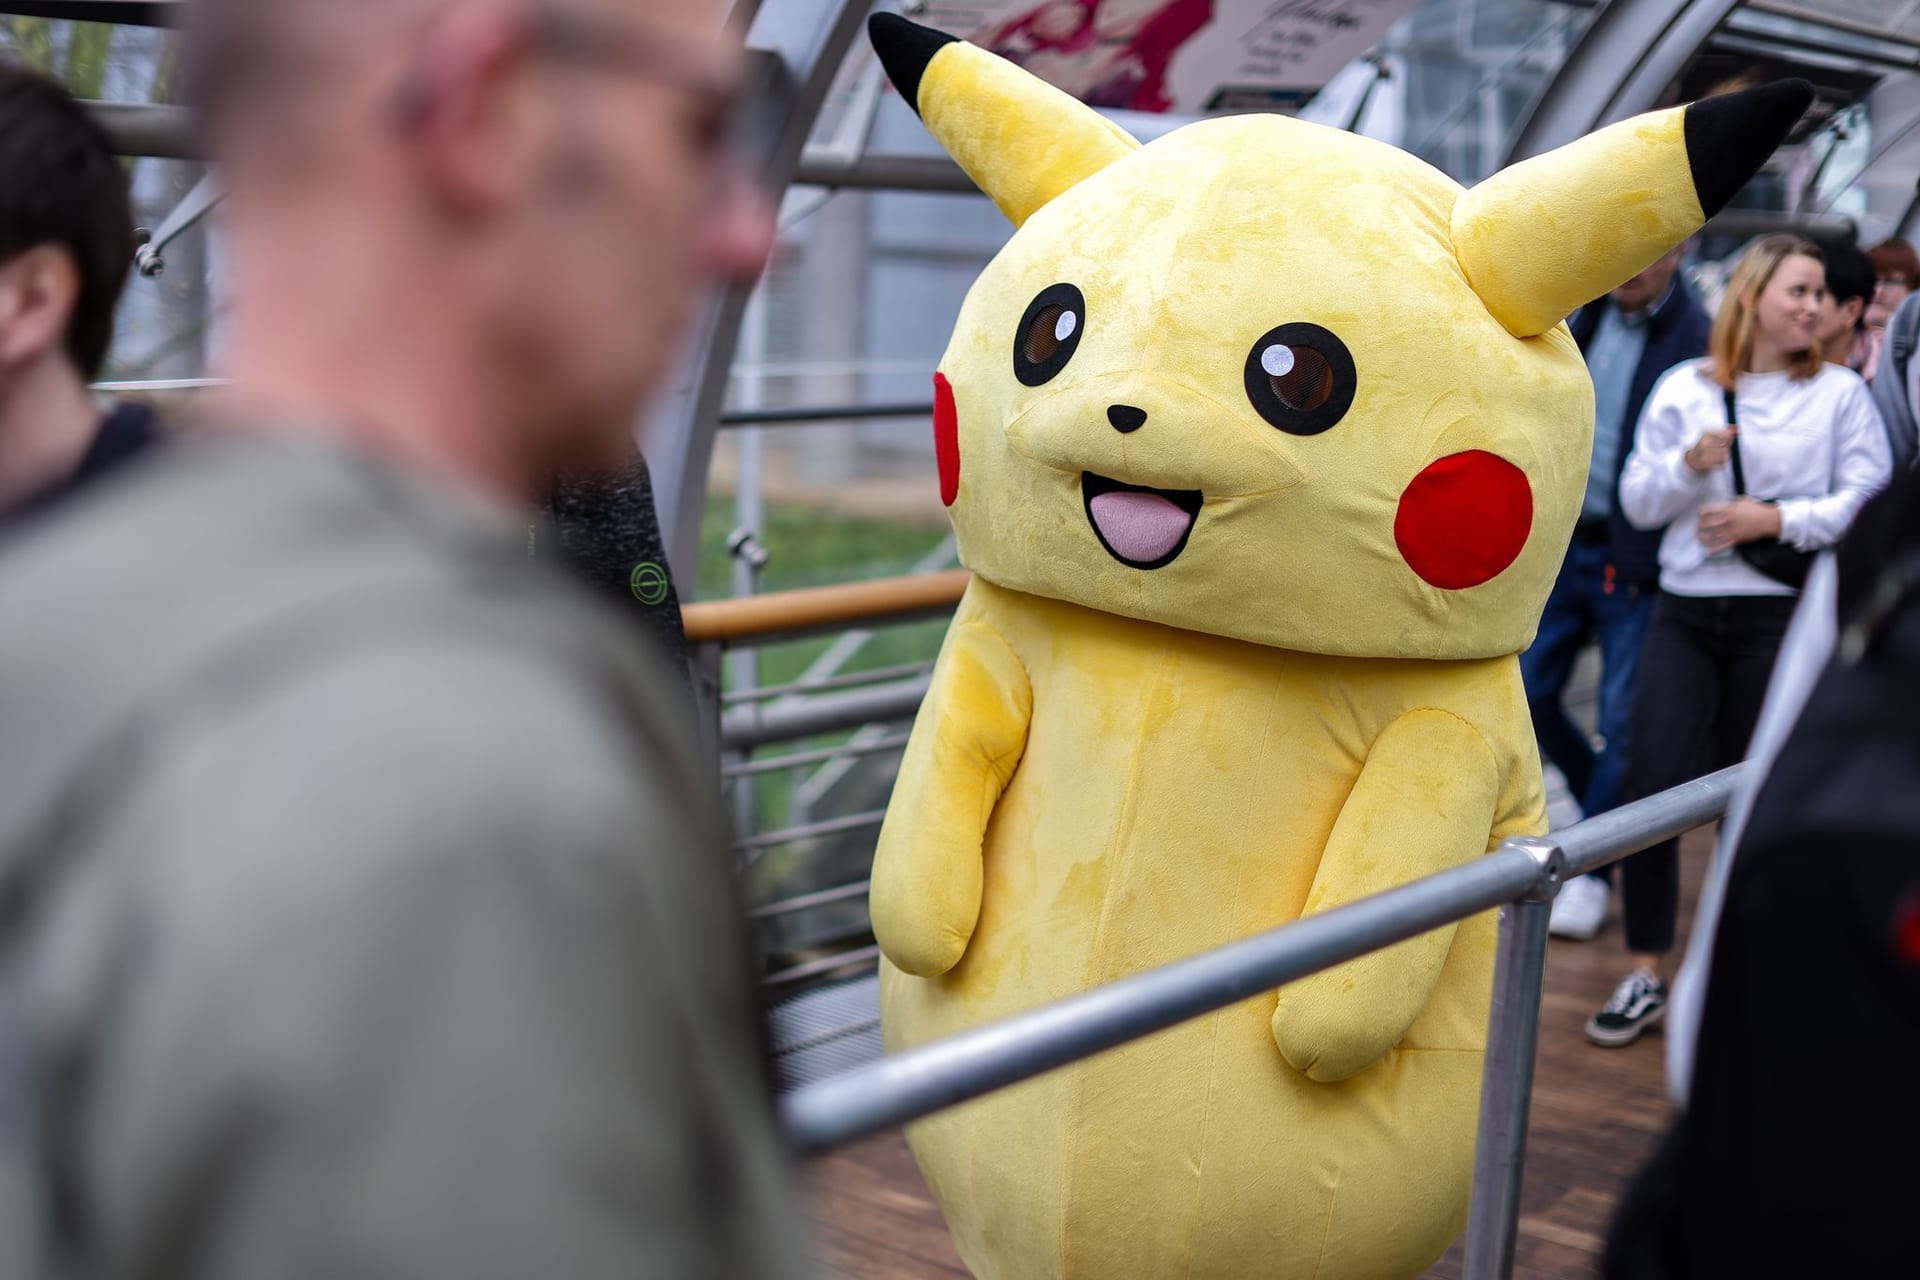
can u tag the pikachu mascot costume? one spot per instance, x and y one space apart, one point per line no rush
1264 443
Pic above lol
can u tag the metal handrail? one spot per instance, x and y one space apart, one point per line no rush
800 759
1523 872
800 415
748 728
808 901
821 967
827 827
833 684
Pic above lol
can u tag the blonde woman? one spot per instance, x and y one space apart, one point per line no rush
1760 440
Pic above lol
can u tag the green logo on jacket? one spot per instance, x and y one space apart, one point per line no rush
649 583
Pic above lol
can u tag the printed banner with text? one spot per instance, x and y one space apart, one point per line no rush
1185 56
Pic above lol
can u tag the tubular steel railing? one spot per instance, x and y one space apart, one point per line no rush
811 831
821 755
853 680
1522 875
824 414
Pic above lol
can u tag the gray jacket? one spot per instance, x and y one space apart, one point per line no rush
362 912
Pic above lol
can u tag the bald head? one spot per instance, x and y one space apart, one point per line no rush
262 70
247 55
528 194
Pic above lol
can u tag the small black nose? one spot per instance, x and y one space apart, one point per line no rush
1125 417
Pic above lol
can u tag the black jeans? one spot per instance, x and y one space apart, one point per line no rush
1703 676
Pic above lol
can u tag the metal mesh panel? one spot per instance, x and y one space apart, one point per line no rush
824 1032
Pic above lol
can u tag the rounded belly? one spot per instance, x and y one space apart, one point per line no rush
1198 1152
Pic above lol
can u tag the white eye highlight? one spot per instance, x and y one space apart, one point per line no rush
1064 327
1277 360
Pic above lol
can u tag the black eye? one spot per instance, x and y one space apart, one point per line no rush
1049 334
1301 378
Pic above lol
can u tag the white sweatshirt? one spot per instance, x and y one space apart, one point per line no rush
1815 445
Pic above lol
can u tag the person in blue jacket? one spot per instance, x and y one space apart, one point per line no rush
1606 587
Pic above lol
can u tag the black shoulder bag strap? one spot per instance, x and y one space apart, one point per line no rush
1785 564
1739 472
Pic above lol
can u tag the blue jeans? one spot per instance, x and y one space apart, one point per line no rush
1588 603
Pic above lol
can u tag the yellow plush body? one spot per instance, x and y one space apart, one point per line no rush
1175 792
1264 443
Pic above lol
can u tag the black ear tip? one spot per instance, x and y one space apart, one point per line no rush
905 49
1773 108
1730 136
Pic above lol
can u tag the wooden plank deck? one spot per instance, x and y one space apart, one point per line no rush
1597 1114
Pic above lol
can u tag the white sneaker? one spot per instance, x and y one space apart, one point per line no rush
1581 909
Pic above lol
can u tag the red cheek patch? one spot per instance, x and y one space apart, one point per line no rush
946 438
1464 520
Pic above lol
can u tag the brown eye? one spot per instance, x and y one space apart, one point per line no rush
1050 326
1300 377
1048 335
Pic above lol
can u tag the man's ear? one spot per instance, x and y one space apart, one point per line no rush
459 109
1853 309
38 291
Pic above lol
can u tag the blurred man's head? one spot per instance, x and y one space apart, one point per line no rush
1650 285
1851 280
66 232
539 187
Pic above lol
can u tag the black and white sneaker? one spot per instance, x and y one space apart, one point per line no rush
1638 1002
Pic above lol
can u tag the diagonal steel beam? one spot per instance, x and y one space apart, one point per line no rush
148 129
150 260
1630 53
801 46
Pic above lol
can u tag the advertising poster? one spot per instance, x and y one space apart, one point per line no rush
1192 57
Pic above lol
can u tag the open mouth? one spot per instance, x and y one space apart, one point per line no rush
1142 528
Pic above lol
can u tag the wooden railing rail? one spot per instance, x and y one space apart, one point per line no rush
782 614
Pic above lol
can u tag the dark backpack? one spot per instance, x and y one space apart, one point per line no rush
1795 1156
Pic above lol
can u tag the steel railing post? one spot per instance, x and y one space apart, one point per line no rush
1506 1087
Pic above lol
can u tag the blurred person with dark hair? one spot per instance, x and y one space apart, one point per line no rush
1896 392
363 897
606 526
66 242
1851 283
1606 587
1896 268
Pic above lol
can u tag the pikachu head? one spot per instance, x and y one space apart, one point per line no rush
1277 382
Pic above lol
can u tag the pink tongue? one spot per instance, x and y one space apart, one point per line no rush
1140 526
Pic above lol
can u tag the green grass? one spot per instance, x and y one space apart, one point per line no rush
813 548
810 547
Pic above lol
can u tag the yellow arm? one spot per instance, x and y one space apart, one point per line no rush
966 744
1424 802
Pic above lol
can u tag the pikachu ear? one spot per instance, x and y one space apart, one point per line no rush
1020 138
1546 236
